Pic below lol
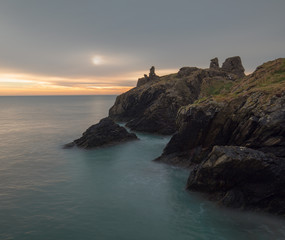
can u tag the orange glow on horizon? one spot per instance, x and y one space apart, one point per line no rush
15 84
25 84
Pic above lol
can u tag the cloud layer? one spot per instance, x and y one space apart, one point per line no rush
58 39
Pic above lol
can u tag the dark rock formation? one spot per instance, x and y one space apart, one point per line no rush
186 71
185 147
252 118
242 178
234 65
151 77
214 63
142 81
229 126
152 106
249 121
244 121
152 74
106 132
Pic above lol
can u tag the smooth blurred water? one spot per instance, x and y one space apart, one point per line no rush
117 192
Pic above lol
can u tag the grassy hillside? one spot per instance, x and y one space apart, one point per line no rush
269 78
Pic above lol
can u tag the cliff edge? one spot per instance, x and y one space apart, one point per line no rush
152 106
235 141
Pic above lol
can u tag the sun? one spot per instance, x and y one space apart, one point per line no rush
97 60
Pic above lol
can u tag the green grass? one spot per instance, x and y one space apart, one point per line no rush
218 88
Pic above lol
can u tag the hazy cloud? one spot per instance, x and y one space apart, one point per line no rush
60 37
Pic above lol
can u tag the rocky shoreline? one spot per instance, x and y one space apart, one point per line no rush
228 127
241 177
104 133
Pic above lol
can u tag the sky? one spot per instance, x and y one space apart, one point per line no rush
74 47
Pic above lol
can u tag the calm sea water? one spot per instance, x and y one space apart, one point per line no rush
117 192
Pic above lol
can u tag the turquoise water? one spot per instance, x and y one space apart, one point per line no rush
117 192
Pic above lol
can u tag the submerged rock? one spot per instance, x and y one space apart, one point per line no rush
106 132
242 178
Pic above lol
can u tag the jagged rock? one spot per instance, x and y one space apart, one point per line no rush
234 65
242 178
253 118
106 132
243 121
153 105
152 74
214 63
151 77
186 71
184 148
142 81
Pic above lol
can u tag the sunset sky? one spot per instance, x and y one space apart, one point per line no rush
58 47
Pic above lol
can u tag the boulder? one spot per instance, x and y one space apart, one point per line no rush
242 178
106 132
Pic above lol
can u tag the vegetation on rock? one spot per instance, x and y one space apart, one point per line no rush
153 105
247 121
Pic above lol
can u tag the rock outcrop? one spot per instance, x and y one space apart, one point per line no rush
150 78
153 105
234 65
214 63
255 121
249 116
227 126
106 132
236 142
242 178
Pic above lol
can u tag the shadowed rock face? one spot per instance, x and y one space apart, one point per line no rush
237 144
186 71
150 78
106 132
242 178
153 105
254 119
244 121
214 63
234 65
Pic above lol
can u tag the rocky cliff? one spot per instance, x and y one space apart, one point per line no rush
251 114
152 106
228 127
236 141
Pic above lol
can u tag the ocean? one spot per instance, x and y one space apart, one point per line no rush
115 192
